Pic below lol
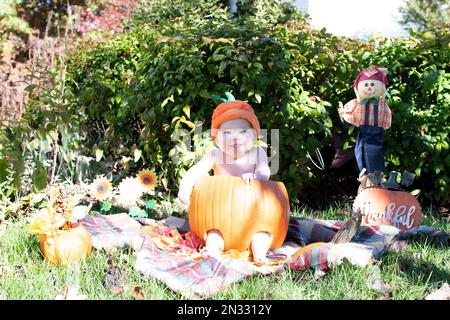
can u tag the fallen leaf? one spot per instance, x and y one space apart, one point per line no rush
113 278
116 289
138 293
385 296
376 283
19 269
399 245
443 293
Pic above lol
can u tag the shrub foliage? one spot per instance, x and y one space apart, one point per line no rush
132 92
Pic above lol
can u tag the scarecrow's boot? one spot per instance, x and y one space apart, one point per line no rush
375 179
391 183
407 179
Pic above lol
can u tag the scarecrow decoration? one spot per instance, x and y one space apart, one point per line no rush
370 112
379 201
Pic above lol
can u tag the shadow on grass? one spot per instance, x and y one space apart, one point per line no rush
422 260
417 270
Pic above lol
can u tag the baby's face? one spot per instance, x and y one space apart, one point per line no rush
371 89
236 137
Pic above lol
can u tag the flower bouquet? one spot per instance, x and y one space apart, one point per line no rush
61 241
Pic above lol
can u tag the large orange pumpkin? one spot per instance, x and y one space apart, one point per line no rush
67 245
239 210
388 207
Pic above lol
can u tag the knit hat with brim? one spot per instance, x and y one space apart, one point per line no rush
372 73
231 110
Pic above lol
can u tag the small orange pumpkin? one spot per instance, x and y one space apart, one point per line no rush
67 245
381 206
239 210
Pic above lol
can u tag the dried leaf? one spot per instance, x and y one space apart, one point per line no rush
19 269
443 293
376 283
385 296
116 289
113 278
138 293
399 245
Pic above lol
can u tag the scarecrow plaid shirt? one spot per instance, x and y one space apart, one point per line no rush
354 112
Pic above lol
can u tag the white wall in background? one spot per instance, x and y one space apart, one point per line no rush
355 18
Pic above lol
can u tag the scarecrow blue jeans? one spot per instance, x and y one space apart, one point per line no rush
369 149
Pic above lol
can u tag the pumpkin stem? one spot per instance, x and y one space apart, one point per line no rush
228 97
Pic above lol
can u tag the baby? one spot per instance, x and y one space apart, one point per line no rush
234 129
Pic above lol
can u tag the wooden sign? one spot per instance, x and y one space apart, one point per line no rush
381 206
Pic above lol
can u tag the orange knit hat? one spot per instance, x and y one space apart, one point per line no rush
231 110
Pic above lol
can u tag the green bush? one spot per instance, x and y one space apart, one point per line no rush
13 30
176 16
131 93
10 20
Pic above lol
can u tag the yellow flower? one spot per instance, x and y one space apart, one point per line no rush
147 178
42 222
101 188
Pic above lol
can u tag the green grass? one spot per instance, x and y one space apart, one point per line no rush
410 274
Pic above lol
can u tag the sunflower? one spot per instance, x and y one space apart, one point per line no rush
130 190
101 188
147 178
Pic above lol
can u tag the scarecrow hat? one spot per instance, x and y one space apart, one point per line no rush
231 110
372 73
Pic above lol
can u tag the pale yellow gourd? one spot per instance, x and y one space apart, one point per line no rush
66 246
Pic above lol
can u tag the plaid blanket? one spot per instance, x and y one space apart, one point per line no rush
116 230
171 256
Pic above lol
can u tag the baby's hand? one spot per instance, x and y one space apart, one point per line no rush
248 177
184 196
